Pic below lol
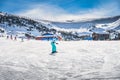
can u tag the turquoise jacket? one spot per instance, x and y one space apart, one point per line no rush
53 44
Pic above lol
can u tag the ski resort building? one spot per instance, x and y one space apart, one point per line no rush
49 36
100 36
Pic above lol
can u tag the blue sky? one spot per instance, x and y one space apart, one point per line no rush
61 9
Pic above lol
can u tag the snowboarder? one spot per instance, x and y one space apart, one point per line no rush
53 44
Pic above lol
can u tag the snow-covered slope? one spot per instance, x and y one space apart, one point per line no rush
87 23
15 25
75 60
71 30
108 26
102 25
116 24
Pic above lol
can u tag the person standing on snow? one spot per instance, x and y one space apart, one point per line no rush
15 38
7 37
53 44
11 37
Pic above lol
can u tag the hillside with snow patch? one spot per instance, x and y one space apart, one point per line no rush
17 25
73 30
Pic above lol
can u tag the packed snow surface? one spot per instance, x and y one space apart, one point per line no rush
75 60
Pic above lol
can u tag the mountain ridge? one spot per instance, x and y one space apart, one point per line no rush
77 24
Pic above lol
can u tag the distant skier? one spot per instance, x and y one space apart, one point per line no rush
53 44
15 38
11 37
7 37
22 40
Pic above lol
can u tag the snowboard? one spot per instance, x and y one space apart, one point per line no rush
53 53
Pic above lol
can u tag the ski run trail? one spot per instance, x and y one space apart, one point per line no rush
75 60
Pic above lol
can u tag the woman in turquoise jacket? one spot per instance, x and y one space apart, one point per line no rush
53 44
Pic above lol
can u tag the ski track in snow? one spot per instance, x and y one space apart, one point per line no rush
75 60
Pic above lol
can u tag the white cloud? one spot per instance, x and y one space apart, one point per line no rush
55 13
